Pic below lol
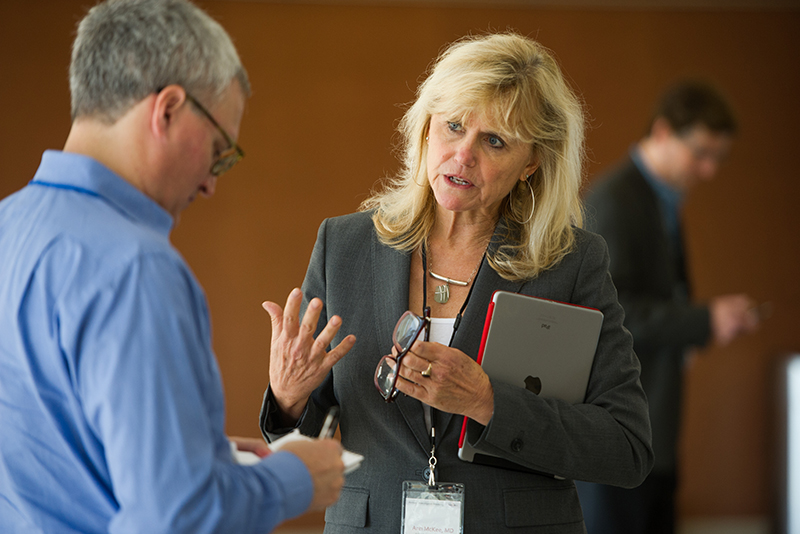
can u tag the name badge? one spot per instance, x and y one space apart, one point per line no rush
437 509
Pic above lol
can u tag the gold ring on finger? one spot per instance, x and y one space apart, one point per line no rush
427 372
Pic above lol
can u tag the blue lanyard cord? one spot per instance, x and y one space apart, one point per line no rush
64 186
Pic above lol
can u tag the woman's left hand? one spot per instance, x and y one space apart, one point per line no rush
455 383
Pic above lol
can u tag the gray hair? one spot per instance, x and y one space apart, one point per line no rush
127 49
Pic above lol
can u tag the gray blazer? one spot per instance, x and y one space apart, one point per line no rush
607 439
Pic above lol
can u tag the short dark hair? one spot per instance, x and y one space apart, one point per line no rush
692 103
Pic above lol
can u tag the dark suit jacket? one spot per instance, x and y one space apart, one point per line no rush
649 274
607 439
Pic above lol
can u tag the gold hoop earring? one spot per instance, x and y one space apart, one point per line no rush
533 199
414 179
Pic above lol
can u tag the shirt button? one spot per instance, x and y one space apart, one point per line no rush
516 445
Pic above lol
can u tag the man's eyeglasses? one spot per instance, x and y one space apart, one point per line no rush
406 331
229 157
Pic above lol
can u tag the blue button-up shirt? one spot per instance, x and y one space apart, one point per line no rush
111 404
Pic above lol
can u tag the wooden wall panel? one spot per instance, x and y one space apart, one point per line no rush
329 82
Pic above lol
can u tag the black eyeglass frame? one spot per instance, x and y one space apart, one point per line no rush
424 324
228 158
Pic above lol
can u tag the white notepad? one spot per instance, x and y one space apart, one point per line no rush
352 460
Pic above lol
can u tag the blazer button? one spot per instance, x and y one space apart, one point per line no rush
516 445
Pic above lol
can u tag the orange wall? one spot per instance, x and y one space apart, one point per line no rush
318 134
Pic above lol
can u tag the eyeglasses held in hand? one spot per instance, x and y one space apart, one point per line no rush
406 332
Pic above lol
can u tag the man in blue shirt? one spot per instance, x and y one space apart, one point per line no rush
636 207
110 396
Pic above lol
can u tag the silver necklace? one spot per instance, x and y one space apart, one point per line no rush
442 294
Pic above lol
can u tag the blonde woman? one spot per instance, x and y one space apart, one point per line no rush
488 200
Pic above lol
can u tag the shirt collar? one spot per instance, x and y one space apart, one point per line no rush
671 198
86 175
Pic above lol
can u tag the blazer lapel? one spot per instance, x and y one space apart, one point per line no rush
469 333
391 270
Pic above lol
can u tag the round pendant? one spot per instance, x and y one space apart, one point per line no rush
442 294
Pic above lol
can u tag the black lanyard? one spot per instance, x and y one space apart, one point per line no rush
427 312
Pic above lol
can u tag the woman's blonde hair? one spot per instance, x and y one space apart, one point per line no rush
515 81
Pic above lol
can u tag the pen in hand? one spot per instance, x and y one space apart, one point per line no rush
329 426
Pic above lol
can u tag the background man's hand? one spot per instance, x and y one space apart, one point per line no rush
731 316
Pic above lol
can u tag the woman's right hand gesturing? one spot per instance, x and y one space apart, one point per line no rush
298 363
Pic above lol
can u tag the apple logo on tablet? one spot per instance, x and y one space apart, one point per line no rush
533 384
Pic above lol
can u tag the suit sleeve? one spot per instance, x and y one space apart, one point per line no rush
607 438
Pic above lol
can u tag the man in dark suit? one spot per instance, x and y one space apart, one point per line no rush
636 207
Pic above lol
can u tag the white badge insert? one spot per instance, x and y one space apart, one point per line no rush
438 508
